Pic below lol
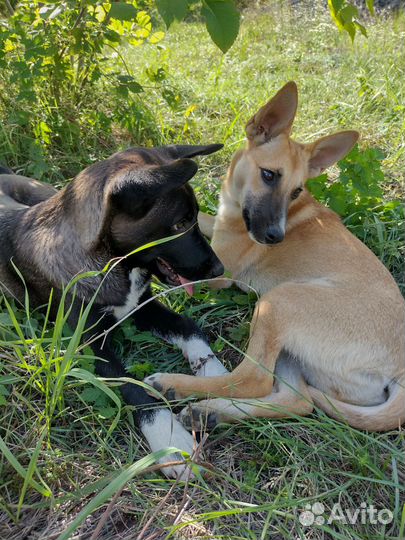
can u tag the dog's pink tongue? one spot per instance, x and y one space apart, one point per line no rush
187 285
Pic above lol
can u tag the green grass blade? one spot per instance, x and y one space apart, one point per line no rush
43 490
30 471
115 485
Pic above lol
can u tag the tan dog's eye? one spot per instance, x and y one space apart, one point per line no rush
268 176
296 193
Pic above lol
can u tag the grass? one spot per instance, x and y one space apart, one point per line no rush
58 450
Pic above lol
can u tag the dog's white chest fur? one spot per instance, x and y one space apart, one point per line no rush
139 283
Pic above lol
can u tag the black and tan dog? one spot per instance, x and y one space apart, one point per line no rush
111 208
329 327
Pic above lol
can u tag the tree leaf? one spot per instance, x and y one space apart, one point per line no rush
123 11
362 28
348 13
172 10
334 8
156 37
370 6
350 29
127 82
222 21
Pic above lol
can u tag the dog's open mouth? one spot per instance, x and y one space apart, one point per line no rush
172 277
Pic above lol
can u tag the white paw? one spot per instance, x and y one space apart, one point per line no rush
203 361
212 367
165 431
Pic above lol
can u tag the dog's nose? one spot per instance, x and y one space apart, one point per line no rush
217 269
274 234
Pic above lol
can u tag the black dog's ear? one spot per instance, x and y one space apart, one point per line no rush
120 184
178 151
136 188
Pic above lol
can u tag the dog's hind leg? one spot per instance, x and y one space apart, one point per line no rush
206 223
290 397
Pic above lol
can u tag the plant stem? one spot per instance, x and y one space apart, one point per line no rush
9 7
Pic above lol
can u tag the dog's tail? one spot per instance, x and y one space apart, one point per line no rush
5 170
384 417
20 190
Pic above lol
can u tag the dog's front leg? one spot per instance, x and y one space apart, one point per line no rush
252 378
159 426
184 333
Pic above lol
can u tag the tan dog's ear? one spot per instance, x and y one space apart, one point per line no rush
275 117
328 150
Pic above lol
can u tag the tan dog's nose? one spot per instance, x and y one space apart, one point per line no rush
274 234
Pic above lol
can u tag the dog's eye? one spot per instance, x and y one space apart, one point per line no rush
267 175
296 193
180 225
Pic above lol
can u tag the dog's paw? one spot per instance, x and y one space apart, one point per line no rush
163 431
198 418
159 381
209 367
203 361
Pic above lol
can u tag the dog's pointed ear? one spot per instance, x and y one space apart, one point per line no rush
275 117
117 186
178 151
134 188
328 150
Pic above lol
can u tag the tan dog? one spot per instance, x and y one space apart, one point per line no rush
329 328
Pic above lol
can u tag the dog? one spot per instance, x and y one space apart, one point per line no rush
329 327
112 207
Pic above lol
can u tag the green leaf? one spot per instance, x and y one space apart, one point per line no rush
5 320
370 6
127 82
172 10
42 489
239 333
334 8
141 369
100 385
32 469
222 21
112 36
336 4
348 13
107 412
122 11
241 299
350 29
91 394
3 391
362 28
156 37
